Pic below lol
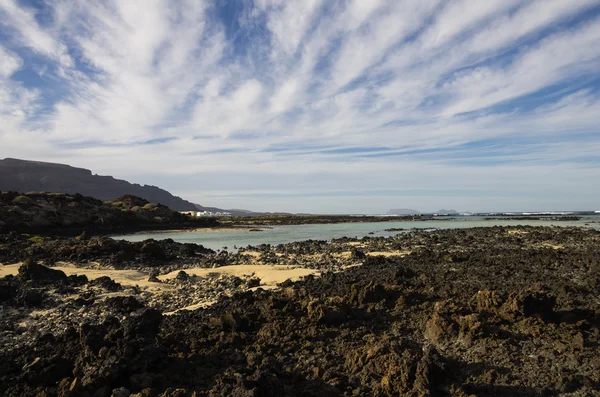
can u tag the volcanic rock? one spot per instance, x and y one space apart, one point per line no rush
31 270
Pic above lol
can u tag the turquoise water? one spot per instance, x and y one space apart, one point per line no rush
290 233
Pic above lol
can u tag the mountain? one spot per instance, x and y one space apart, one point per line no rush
446 212
402 211
36 176
235 212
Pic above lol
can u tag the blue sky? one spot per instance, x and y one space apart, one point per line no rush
314 105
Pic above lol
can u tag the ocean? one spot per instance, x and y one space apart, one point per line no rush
229 240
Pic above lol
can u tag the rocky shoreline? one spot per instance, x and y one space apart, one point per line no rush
473 312
58 214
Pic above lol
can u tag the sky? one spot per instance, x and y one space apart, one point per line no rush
322 106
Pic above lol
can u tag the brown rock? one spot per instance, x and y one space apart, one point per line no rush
486 300
531 303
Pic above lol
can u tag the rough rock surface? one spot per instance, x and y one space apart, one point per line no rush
478 312
105 251
58 213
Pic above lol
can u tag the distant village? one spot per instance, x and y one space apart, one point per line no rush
196 214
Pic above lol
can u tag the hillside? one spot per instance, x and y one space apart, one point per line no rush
35 176
58 213
446 212
402 211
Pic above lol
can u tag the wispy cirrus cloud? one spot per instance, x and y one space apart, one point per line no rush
265 103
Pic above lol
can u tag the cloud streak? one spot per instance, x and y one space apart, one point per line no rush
238 103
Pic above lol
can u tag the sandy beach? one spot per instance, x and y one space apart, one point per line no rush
269 275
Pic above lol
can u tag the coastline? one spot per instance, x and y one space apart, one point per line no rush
224 229
459 297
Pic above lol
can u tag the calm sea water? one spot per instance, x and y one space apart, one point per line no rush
286 234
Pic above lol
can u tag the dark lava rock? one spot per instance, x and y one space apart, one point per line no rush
8 289
153 250
480 312
118 254
107 283
47 371
253 282
188 250
532 302
31 270
153 278
14 291
124 304
79 302
182 276
77 279
31 298
144 324
358 254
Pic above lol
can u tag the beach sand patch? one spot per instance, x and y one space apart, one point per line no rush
124 277
388 253
552 245
254 254
268 274
356 244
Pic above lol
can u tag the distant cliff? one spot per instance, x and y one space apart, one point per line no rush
36 176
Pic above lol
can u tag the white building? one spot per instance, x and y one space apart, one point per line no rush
209 213
205 213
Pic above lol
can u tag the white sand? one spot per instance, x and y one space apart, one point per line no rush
254 254
268 274
124 277
388 253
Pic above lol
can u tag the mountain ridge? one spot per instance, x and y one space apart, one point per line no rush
28 176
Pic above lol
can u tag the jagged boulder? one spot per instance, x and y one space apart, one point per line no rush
106 283
533 302
33 271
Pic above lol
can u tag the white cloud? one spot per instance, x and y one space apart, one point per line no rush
29 32
9 63
289 21
556 58
299 96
